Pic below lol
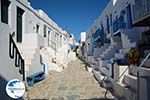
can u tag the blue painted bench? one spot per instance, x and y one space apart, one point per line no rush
31 80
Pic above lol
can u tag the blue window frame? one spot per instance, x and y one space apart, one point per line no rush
110 19
108 24
129 16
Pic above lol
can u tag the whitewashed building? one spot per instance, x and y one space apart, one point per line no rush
111 35
24 32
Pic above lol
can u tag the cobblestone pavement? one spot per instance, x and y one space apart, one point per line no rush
73 83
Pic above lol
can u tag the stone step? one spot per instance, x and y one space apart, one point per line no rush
27 67
119 89
28 49
28 42
131 82
142 71
98 76
122 90
28 61
146 63
105 71
28 53
28 56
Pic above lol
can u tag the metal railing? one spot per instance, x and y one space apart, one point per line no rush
119 24
123 73
138 76
52 44
15 54
141 8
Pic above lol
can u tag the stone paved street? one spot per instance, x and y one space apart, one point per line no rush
73 83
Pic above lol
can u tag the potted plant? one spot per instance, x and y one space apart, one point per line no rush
132 56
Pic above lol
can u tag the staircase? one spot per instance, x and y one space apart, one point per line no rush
130 83
127 42
130 37
30 50
110 52
127 88
32 59
98 51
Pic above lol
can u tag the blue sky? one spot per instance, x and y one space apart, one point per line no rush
75 16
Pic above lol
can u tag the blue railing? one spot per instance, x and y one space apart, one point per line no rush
119 24
15 54
32 79
141 8
99 38
98 32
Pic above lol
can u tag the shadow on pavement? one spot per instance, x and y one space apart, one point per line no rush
98 99
84 63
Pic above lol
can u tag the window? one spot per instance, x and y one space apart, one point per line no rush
49 36
107 18
4 11
56 36
60 40
122 12
45 30
20 13
37 28
111 19
102 27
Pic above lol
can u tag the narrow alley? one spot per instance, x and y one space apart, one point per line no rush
73 83
75 50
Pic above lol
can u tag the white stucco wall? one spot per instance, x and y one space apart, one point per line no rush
115 11
31 18
7 65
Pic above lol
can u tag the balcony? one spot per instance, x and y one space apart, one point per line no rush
119 24
98 33
141 13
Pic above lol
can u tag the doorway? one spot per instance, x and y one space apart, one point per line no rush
117 39
19 24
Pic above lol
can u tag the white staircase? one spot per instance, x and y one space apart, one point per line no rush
130 83
130 37
132 34
98 51
30 50
127 42
110 52
32 60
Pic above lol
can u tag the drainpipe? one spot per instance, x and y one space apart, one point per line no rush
138 76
